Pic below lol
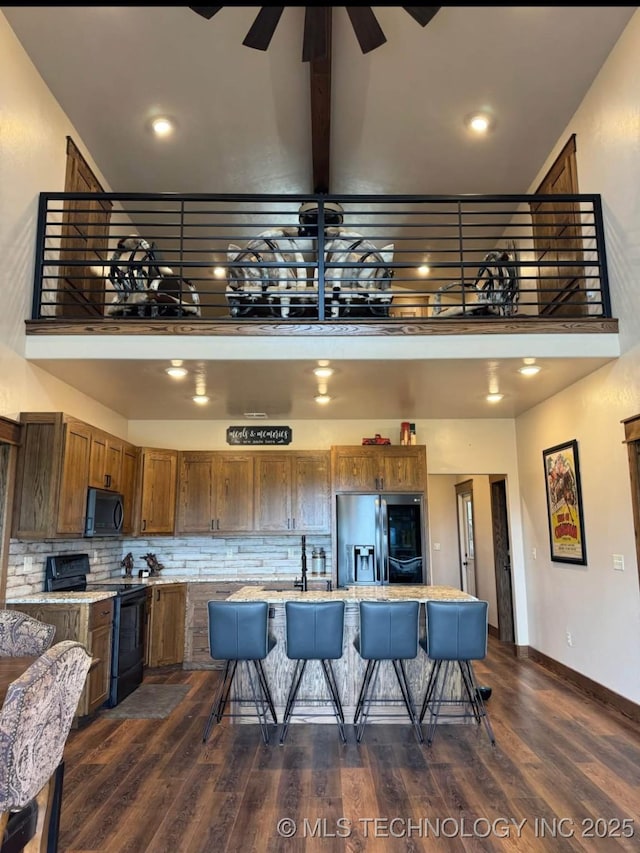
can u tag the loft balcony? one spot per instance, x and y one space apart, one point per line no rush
205 264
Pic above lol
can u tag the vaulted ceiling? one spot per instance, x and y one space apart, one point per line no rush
388 121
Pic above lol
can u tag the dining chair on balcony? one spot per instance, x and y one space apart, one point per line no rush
21 634
388 632
239 634
456 635
35 720
314 632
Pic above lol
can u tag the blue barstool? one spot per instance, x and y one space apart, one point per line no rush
314 632
456 635
239 633
388 631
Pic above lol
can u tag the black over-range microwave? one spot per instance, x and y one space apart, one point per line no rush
105 512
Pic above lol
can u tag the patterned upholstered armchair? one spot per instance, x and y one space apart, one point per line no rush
35 720
21 634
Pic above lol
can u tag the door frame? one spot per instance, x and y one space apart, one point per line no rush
465 490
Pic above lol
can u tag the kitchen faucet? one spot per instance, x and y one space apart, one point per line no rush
301 583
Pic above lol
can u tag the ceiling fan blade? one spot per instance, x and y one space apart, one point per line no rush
206 11
366 27
315 42
263 28
422 14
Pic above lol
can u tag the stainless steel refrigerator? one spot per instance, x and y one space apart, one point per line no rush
380 539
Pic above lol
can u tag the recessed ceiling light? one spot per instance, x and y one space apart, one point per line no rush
162 126
201 399
494 398
323 372
177 372
529 369
323 399
479 123
219 272
424 270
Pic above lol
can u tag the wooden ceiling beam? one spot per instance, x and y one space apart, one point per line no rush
320 98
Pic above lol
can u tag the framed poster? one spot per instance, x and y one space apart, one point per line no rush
564 503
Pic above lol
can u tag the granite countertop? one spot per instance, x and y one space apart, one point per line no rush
62 597
164 579
353 594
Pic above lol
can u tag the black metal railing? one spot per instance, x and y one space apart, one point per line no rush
283 258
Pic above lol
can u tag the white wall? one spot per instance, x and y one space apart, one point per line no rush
32 160
599 607
443 530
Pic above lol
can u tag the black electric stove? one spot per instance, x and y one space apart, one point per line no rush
69 573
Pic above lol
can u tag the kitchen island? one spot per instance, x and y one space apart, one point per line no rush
349 670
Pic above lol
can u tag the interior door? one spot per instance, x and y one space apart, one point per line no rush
502 560
85 237
557 238
464 492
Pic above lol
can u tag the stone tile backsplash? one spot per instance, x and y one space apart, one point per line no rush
228 559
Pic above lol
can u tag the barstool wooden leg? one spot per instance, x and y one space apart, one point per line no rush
401 675
335 697
265 689
368 698
298 672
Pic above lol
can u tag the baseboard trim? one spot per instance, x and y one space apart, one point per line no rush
586 685
494 632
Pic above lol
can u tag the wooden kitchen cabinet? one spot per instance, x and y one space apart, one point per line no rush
91 624
215 492
99 644
52 476
292 492
105 462
58 459
196 645
158 483
379 468
165 615
129 471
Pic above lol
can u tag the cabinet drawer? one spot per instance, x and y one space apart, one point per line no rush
101 613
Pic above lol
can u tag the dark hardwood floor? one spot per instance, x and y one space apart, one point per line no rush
563 776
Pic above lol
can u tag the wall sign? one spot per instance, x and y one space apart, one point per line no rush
259 435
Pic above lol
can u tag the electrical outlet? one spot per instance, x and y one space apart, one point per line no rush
95 555
569 638
291 553
618 562
28 562
534 552
436 546
229 552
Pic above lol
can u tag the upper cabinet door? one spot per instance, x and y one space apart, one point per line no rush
216 492
196 501
234 499
105 469
72 507
127 486
354 470
273 493
311 492
381 468
158 496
